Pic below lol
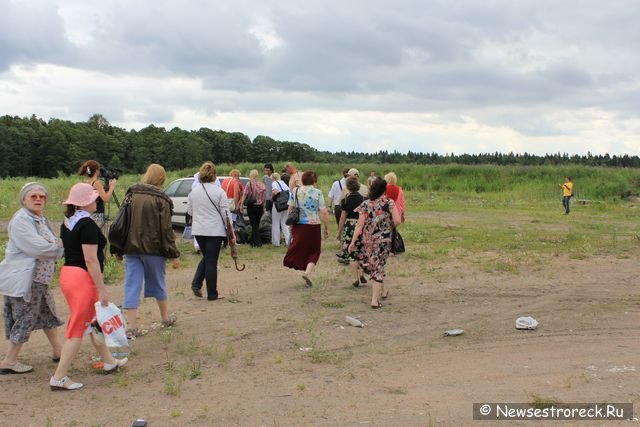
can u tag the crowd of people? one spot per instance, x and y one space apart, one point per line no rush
367 216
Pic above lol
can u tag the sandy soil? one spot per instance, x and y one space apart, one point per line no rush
277 354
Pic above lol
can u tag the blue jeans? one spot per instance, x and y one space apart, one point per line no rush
147 269
566 200
208 268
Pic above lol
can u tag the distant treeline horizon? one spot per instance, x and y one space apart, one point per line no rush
34 147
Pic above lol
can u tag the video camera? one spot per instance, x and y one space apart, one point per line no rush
108 174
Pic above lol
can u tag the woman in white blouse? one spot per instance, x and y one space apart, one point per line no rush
209 207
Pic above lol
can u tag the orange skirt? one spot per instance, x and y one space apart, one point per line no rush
81 294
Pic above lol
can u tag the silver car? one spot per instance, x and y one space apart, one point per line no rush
179 191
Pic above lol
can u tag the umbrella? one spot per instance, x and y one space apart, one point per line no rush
232 245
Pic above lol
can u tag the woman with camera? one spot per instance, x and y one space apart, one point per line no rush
91 169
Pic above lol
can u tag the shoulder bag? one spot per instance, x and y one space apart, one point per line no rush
250 200
281 201
119 228
294 216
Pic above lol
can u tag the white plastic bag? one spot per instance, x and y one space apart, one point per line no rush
113 325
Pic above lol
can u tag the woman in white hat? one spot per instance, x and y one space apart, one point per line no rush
82 282
31 238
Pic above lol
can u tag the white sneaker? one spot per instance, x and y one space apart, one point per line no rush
63 384
108 368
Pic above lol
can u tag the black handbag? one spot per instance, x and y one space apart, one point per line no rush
281 201
119 229
250 200
294 215
397 242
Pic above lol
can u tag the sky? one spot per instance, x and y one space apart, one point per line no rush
463 76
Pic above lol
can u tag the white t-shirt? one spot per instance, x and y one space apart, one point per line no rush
336 191
279 186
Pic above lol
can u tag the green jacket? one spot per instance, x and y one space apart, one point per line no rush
150 231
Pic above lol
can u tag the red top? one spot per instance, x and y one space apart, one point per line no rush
228 185
395 193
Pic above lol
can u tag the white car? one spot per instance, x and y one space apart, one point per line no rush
179 191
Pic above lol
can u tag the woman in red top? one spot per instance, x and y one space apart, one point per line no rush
395 193
233 187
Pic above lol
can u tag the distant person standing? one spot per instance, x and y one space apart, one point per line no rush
372 177
567 194
267 180
335 194
91 169
295 176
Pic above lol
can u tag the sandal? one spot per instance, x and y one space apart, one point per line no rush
108 368
386 295
132 334
17 368
55 359
363 280
169 322
307 281
377 306
356 284
63 384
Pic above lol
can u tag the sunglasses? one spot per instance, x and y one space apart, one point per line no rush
38 197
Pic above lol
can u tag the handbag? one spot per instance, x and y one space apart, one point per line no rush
397 242
281 200
250 200
294 215
119 229
16 277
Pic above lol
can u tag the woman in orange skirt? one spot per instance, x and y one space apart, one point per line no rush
81 282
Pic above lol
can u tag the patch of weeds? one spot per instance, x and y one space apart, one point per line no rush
542 402
279 360
335 357
171 386
441 251
301 387
190 349
230 333
176 413
227 354
250 359
396 390
49 422
332 304
196 370
166 336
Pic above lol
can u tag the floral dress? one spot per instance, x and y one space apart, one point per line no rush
348 205
376 234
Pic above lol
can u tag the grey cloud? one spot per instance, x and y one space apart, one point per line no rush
31 32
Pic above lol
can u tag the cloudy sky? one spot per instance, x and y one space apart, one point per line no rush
423 75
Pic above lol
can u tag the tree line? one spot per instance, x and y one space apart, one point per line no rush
31 146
